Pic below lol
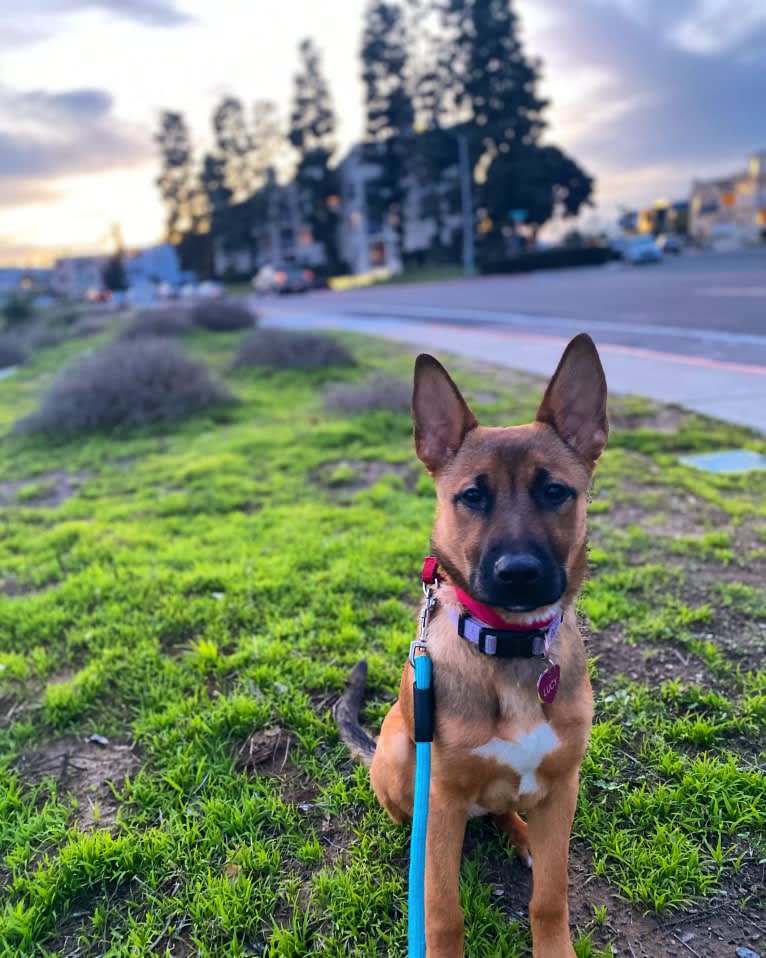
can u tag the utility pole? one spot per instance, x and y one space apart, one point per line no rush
466 200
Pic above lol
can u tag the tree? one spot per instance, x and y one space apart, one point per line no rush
496 92
495 83
113 274
390 115
212 179
176 179
235 147
269 158
312 134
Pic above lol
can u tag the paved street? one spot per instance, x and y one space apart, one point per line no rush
691 330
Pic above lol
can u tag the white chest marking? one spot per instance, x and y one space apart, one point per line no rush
524 756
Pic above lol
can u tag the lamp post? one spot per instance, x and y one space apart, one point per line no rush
466 202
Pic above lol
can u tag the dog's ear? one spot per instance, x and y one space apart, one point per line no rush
575 400
440 414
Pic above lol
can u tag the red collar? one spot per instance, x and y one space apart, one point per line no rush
488 616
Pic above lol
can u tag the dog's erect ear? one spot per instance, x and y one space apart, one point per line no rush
575 400
440 414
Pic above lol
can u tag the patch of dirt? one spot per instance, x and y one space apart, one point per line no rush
646 662
712 930
482 397
11 587
59 486
661 419
83 769
346 476
680 515
265 752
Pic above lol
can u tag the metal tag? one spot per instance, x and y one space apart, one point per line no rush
548 684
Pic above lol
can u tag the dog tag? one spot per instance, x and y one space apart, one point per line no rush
548 684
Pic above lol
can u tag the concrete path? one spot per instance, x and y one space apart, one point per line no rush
732 391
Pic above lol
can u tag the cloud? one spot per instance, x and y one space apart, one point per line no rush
44 18
47 135
686 93
20 192
153 13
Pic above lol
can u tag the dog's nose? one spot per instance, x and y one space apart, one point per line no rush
518 570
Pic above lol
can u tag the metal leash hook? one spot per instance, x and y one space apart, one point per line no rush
423 706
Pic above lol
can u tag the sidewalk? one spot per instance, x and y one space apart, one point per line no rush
733 392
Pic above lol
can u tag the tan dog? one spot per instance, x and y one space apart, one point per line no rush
510 542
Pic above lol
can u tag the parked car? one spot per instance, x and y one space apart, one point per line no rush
210 290
670 243
642 249
286 278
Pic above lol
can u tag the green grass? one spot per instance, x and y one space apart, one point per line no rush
212 580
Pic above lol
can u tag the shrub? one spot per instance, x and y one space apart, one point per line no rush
377 392
560 258
124 384
222 315
173 321
43 336
285 349
17 308
11 351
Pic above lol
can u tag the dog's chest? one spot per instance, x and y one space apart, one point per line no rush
516 745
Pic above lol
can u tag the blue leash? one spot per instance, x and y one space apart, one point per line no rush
423 702
423 696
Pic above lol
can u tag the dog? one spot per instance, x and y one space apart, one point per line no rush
513 701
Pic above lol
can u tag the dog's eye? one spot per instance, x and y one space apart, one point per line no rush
555 493
473 497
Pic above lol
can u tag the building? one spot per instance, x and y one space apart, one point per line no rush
264 228
363 245
730 209
366 244
661 217
73 276
267 227
15 279
158 264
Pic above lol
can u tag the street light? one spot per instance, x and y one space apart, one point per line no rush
466 201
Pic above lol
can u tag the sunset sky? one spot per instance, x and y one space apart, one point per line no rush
645 94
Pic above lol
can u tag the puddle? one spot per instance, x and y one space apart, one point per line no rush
727 460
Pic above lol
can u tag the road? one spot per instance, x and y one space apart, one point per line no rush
691 330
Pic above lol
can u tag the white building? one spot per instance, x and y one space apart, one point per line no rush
73 275
157 264
730 209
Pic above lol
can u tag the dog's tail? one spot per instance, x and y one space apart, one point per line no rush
346 714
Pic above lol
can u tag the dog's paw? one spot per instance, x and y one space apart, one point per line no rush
516 830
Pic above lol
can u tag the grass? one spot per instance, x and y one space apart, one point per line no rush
199 600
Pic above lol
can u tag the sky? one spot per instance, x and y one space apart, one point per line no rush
645 94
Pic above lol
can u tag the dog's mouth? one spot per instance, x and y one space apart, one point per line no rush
538 616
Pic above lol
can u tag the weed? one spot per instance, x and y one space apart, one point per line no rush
283 349
222 315
125 384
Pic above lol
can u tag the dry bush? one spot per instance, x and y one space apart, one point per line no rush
11 351
378 392
126 383
222 315
172 321
285 349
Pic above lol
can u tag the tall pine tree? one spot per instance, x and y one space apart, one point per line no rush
234 141
496 98
312 134
389 131
176 181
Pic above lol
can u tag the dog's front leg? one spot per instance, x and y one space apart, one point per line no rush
444 917
550 824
